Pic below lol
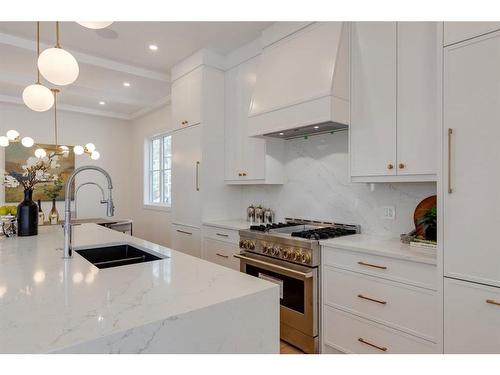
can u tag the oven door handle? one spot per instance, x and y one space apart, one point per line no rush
304 275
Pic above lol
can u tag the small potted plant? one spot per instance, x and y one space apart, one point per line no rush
52 192
429 221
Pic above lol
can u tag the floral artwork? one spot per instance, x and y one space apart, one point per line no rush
23 170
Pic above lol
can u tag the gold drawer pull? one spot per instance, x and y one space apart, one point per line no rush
492 302
372 265
381 348
372 299
222 255
390 166
184 232
450 189
222 235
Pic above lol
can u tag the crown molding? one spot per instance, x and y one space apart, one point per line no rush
85 58
160 103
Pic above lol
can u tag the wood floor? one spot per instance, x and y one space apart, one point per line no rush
286 348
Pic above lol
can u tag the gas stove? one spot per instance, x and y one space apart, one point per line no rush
295 241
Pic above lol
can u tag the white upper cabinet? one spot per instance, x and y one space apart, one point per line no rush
373 99
472 208
417 99
394 101
247 160
455 32
187 99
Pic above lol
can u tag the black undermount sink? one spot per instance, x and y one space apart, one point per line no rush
116 255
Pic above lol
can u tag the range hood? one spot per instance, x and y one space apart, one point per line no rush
302 85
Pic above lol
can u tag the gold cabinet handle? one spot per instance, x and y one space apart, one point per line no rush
381 348
372 265
450 133
372 299
244 174
492 302
401 166
222 235
197 176
240 174
184 232
222 255
390 166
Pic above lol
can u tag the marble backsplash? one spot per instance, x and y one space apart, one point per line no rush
318 188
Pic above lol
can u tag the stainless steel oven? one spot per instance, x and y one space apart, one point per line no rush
299 302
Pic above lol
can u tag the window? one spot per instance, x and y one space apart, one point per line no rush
159 176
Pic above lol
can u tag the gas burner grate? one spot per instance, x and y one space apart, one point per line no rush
323 233
267 227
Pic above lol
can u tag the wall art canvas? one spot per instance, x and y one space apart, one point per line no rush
15 157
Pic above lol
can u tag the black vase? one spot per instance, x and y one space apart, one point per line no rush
27 215
431 232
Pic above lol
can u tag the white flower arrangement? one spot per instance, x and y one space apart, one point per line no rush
35 171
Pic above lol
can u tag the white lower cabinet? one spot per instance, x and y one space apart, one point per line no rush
220 245
471 318
349 333
377 312
186 239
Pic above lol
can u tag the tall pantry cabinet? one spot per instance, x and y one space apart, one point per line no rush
471 198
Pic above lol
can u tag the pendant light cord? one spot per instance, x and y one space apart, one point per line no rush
37 51
57 35
55 117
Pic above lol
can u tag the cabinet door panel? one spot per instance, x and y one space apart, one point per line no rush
233 131
186 152
472 110
186 99
373 99
417 107
186 239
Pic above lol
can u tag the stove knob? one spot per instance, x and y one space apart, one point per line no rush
251 245
242 244
286 253
306 258
296 255
274 250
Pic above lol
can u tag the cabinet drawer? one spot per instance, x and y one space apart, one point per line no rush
419 274
221 234
401 306
186 239
221 253
471 318
351 334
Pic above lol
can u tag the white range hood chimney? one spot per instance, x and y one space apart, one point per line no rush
302 84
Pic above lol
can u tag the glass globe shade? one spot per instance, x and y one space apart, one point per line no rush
38 97
90 147
65 151
4 141
12 134
95 24
27 142
78 150
58 66
95 155
40 153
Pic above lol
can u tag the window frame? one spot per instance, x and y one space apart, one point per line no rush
148 172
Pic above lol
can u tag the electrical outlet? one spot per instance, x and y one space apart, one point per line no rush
389 212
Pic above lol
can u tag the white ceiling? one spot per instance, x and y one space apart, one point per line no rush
111 56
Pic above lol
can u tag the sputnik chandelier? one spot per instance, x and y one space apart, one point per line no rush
60 68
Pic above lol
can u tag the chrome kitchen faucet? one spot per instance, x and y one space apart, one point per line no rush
110 208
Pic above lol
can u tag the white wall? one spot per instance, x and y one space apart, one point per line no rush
152 225
318 187
111 136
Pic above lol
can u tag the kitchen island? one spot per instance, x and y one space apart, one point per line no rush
179 304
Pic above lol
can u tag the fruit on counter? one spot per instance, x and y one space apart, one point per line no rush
8 210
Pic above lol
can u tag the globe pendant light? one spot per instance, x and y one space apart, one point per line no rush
36 96
57 65
95 25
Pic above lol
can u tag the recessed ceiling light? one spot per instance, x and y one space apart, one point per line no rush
282 133
102 103
126 84
153 47
316 127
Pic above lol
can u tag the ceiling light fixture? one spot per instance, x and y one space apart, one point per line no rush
94 25
36 96
102 103
153 47
126 84
57 65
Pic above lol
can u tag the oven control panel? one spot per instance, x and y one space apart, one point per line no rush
291 254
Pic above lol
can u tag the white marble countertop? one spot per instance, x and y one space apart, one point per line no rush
235 224
393 248
48 303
